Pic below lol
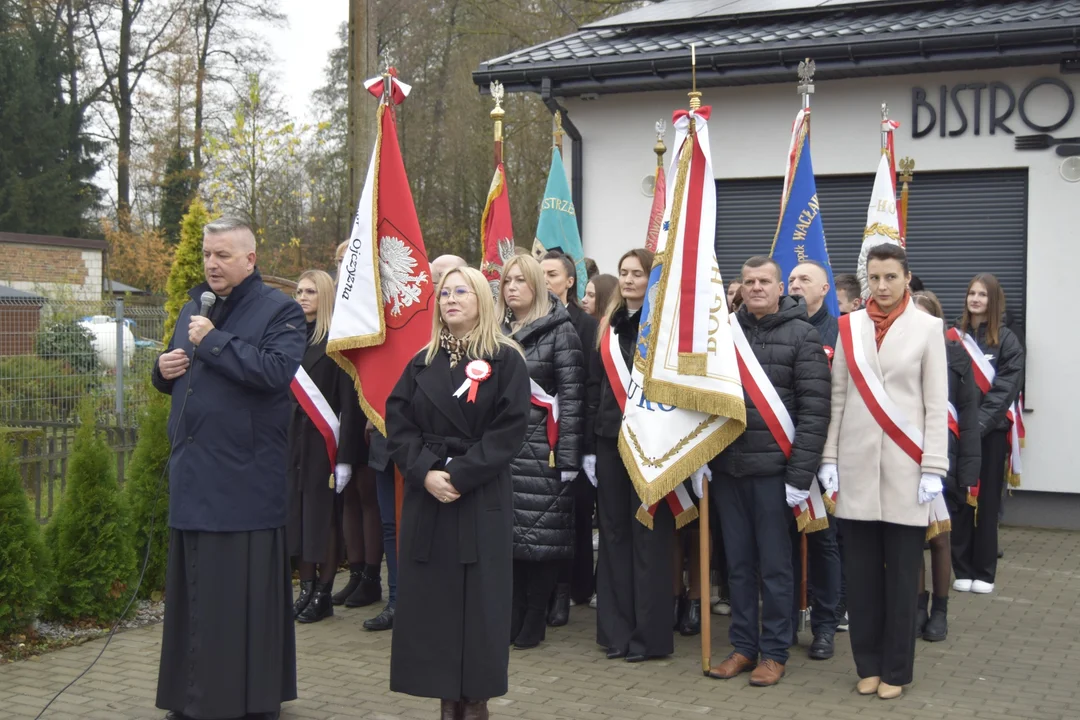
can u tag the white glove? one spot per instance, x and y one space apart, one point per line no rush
569 475
342 476
588 464
829 477
697 479
795 496
929 488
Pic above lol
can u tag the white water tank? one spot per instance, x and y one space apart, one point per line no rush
103 333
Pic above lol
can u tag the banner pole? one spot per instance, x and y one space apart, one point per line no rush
704 580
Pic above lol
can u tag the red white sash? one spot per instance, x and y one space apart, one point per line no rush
984 378
618 375
954 421
318 410
550 404
902 432
810 514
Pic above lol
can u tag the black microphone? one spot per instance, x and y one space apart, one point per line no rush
208 299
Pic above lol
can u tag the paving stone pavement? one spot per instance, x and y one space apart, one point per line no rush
1013 654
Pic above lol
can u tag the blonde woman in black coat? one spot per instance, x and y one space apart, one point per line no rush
455 422
543 470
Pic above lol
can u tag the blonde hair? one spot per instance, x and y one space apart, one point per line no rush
324 285
339 253
534 278
487 337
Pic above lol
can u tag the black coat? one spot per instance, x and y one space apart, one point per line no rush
790 351
311 491
828 328
227 469
455 578
543 503
603 416
965 453
1007 360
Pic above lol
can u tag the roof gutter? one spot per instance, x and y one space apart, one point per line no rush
576 167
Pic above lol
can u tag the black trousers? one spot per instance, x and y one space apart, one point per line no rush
580 573
634 603
533 583
975 534
824 583
884 561
754 519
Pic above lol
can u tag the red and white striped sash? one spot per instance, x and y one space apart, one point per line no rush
618 375
810 514
984 378
550 404
954 421
318 410
896 426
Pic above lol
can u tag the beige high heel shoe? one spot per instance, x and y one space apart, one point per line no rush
885 691
868 686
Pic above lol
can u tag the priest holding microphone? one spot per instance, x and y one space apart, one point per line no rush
228 647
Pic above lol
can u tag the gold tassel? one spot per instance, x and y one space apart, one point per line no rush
686 517
802 521
1013 479
331 481
830 505
551 458
644 517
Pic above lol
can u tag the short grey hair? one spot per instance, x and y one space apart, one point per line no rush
231 223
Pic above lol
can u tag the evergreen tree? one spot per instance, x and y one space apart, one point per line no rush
187 267
144 483
46 168
177 189
25 571
90 533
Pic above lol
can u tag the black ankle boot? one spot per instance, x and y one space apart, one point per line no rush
451 710
560 609
680 603
690 623
533 629
937 628
369 591
921 615
517 619
355 576
320 607
302 600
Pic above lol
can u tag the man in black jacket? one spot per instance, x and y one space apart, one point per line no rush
757 483
228 647
809 281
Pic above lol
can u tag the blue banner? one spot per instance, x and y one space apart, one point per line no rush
557 228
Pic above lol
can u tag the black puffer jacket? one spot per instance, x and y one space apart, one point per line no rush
1007 360
965 453
604 417
790 351
543 504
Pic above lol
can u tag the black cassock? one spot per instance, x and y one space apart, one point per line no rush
455 578
311 491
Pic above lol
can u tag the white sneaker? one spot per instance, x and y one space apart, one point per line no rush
962 585
978 586
592 602
596 540
721 607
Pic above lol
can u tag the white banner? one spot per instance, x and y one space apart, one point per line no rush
882 218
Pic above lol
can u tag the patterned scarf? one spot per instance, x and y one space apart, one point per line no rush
884 320
455 347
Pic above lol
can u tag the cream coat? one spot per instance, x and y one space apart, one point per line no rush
878 480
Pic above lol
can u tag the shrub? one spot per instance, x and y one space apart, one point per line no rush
148 462
90 533
34 389
25 571
70 342
187 266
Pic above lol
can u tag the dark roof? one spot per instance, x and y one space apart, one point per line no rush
627 53
11 296
53 240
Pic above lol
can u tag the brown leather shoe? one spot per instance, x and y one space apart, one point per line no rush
475 710
451 710
768 672
735 664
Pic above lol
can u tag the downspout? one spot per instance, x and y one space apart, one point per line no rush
575 150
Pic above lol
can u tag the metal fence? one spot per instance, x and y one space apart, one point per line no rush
55 356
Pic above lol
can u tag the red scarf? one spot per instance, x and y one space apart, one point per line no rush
882 320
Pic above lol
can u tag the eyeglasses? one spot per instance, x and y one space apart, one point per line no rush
459 293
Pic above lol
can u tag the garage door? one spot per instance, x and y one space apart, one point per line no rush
959 224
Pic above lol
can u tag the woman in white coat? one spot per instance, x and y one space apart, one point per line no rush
885 456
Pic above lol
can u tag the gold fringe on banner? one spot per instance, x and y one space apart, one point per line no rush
937 527
644 517
686 517
810 526
830 506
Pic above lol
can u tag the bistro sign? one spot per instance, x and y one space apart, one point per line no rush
928 113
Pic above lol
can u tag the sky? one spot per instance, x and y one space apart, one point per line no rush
301 48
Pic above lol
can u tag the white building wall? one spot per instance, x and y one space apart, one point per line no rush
750 132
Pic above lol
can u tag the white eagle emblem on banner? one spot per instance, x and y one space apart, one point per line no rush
396 265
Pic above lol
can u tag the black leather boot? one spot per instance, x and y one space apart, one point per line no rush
690 623
369 591
321 605
517 619
921 615
937 628
451 710
355 576
475 709
382 621
533 631
680 603
302 600
560 608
